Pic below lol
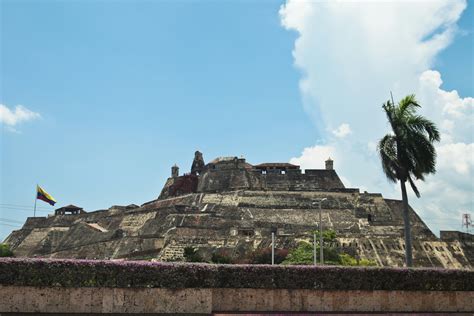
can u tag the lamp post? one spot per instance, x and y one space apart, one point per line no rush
321 254
314 248
274 230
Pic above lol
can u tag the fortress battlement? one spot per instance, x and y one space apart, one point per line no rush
232 173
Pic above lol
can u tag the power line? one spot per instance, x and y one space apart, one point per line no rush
10 225
10 209
10 220
24 206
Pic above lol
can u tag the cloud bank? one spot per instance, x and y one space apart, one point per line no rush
351 55
20 114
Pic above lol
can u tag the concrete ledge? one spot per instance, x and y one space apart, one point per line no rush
20 299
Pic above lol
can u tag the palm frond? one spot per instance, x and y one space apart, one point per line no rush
409 154
388 154
423 152
407 105
421 124
414 188
389 111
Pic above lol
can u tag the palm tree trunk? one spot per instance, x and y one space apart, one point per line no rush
406 220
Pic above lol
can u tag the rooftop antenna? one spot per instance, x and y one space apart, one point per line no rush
466 221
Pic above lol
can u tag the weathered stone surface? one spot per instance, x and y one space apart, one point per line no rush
233 205
17 299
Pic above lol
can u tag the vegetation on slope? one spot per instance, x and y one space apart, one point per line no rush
5 250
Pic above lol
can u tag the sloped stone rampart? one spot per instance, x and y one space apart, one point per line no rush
148 231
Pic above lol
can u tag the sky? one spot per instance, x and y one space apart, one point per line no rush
98 99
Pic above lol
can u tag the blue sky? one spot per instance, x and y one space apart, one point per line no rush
126 89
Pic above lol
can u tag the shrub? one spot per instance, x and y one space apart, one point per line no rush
348 260
221 256
264 256
191 255
143 274
304 253
5 250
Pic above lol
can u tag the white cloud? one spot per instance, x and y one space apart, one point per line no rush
458 158
315 157
13 117
453 114
351 55
372 147
342 131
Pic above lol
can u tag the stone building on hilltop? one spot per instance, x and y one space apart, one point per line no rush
229 204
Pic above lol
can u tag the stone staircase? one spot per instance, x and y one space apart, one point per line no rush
172 252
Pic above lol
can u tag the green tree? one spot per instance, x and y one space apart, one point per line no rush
408 153
304 253
347 260
191 255
5 250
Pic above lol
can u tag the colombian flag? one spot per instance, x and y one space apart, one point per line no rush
44 196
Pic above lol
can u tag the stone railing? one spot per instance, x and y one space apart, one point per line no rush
95 287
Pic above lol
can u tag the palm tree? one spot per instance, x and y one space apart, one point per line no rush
408 153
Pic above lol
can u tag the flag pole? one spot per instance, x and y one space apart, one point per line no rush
36 198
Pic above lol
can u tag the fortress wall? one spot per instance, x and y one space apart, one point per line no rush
97 287
237 179
309 181
448 235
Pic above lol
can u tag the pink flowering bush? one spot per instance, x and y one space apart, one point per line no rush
102 273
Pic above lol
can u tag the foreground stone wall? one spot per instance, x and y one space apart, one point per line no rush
19 299
85 286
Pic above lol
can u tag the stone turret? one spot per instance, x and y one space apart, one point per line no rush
175 171
198 163
329 164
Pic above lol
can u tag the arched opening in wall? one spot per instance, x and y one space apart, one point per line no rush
283 172
369 218
264 171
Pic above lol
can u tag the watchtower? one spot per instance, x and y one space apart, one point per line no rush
198 163
175 171
329 164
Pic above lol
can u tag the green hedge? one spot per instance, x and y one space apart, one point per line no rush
90 273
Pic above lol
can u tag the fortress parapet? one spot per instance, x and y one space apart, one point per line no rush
232 173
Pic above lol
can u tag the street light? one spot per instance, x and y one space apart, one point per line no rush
274 230
321 255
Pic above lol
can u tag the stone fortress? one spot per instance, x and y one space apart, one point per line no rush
229 204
